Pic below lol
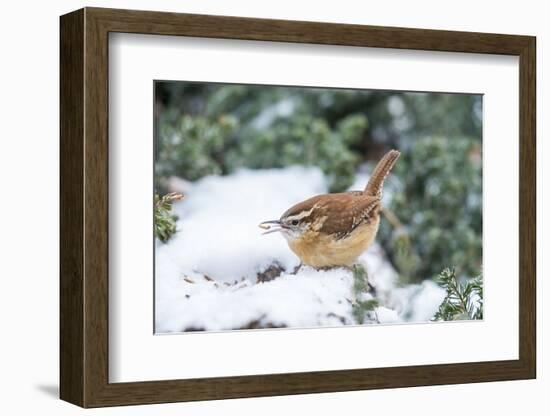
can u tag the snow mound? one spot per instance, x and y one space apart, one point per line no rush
310 298
218 222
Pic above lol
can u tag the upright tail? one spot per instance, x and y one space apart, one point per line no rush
376 181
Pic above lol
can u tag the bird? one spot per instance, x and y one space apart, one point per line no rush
334 229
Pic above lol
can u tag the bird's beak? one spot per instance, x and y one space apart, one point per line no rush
272 226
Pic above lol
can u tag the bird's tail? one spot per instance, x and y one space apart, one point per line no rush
383 168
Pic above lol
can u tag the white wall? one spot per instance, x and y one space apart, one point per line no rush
29 206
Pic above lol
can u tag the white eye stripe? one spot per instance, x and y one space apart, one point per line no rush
300 215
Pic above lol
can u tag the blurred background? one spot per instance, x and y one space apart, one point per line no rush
433 217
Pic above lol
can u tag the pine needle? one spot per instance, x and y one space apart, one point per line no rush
165 221
462 301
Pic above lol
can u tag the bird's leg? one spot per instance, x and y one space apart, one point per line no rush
297 269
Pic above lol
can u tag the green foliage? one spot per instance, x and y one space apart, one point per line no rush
438 198
394 117
303 140
462 301
193 147
362 309
165 221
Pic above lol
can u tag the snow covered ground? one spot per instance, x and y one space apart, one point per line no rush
219 272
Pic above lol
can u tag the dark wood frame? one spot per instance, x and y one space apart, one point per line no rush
84 207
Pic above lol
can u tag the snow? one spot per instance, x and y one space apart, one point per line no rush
309 299
386 316
417 303
206 276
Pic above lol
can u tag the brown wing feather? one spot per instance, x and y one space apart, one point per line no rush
348 211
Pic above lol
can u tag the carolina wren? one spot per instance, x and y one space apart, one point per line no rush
334 229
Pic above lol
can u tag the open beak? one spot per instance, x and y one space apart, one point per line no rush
271 226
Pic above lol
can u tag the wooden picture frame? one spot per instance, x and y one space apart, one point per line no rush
84 207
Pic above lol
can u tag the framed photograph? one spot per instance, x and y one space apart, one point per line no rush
255 207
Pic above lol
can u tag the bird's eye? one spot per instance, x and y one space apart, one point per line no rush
294 222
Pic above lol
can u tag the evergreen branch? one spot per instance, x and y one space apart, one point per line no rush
361 309
462 301
165 221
